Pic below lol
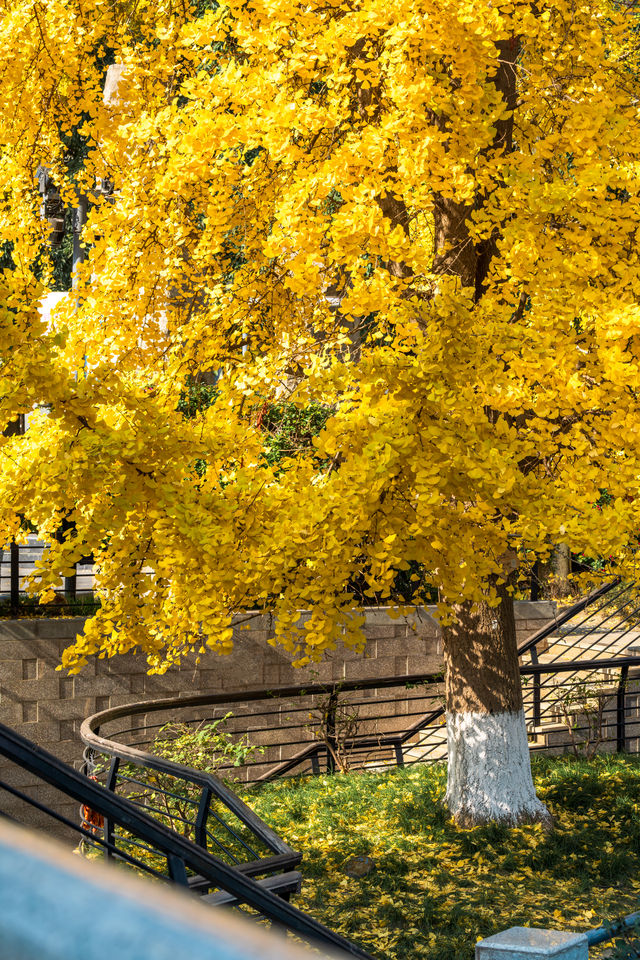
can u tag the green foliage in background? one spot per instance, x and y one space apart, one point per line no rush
290 428
196 397
208 747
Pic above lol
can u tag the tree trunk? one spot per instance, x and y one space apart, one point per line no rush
556 573
489 773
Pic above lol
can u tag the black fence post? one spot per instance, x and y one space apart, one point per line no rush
177 870
332 742
620 710
535 581
69 583
108 826
537 684
537 711
14 561
200 836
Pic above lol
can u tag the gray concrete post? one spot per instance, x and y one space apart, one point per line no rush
532 943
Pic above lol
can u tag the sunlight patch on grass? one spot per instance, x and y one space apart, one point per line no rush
436 888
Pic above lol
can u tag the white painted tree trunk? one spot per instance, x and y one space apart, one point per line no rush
489 773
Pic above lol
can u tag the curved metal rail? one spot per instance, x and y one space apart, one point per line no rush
208 788
397 746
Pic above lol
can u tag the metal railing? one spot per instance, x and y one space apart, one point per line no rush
18 562
306 721
151 848
399 720
197 805
576 706
584 706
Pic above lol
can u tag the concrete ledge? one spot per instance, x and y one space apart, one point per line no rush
534 609
533 943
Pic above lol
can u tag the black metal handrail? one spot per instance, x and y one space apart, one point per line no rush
568 670
575 666
181 855
558 621
90 727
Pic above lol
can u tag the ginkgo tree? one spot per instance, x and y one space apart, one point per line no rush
419 218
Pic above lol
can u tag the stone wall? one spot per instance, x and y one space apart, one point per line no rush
48 707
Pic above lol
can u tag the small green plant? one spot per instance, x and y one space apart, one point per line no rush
208 747
583 707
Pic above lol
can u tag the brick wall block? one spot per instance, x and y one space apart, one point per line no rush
365 669
101 686
15 776
432 664
531 626
534 610
59 628
47 688
19 630
412 645
26 648
47 731
68 750
11 670
74 709
423 621
391 631
10 710
119 699
256 622
126 663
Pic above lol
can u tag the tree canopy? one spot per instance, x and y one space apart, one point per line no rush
345 207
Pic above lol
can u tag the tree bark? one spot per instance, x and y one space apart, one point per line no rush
489 772
555 573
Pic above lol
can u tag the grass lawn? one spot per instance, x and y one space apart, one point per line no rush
436 889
